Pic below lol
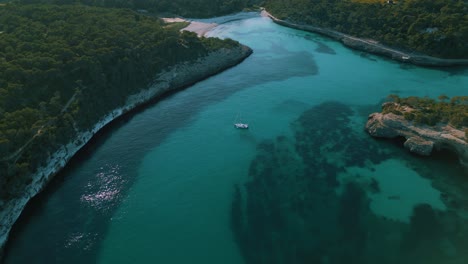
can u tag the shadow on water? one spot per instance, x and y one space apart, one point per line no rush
294 209
74 211
291 106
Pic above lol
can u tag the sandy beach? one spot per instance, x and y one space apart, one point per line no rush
201 28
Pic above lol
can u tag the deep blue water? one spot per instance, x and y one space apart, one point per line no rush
313 187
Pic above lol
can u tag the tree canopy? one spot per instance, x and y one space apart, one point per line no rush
188 8
62 68
434 27
428 111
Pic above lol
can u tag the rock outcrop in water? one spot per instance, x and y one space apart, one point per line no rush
171 80
295 208
420 139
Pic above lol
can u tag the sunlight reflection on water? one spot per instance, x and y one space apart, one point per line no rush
103 194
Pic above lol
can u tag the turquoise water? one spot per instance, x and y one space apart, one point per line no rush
161 187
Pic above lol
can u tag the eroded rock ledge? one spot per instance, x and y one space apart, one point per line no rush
420 139
176 78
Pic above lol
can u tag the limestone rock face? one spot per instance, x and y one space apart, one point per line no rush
419 146
171 80
420 139
376 128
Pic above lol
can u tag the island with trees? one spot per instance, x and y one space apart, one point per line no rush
66 71
425 123
423 32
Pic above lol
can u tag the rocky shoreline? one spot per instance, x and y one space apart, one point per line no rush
372 46
420 139
176 78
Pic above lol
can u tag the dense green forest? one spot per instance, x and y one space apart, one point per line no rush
64 67
429 111
434 27
187 8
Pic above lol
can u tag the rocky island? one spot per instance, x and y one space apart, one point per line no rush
425 124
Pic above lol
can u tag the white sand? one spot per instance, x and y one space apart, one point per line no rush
173 19
200 28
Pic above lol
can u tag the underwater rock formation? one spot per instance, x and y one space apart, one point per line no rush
292 213
293 209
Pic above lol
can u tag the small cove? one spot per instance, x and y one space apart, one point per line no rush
160 187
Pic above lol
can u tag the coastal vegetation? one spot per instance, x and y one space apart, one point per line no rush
62 68
428 111
194 8
438 28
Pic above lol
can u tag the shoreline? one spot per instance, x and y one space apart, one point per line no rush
200 28
177 78
371 46
204 25
419 139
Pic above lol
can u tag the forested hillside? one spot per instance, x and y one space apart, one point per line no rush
434 27
187 8
427 111
63 67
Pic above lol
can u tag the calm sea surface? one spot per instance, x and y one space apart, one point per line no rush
176 183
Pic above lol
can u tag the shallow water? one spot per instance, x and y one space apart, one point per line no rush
160 187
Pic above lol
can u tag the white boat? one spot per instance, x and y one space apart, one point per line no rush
239 124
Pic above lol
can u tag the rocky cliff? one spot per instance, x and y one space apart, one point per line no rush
420 139
176 78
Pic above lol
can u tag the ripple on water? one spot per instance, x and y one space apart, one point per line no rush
104 189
